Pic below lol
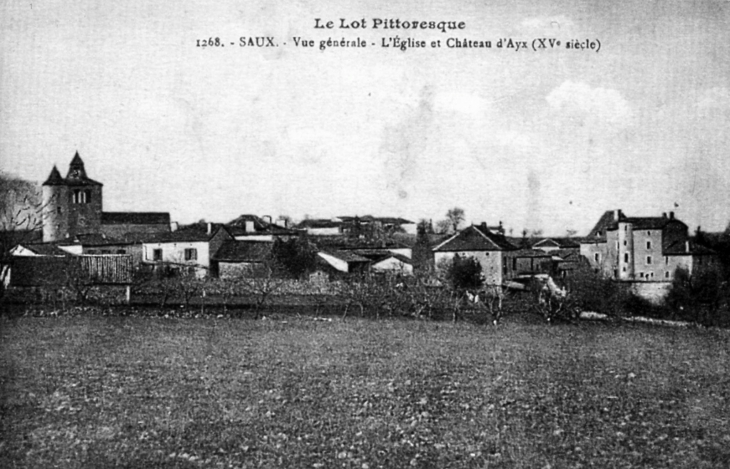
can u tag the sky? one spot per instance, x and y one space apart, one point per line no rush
546 139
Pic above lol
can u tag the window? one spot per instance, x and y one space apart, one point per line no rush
121 251
191 254
641 274
597 257
623 269
666 259
514 263
648 233
648 260
157 254
666 274
648 245
81 197
626 257
625 242
59 210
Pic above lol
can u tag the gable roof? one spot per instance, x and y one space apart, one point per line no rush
557 242
319 223
347 256
237 226
243 251
45 249
644 223
475 238
135 218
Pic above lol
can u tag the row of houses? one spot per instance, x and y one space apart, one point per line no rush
630 249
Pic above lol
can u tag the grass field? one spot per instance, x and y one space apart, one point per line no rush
294 392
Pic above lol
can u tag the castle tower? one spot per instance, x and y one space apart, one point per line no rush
72 205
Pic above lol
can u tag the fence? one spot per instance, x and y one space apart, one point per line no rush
87 269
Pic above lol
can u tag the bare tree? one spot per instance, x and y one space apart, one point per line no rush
21 219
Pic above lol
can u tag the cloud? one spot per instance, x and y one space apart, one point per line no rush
573 99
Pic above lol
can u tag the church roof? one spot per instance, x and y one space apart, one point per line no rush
77 173
54 179
135 218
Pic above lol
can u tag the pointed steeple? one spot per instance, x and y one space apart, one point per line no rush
77 173
55 178
76 169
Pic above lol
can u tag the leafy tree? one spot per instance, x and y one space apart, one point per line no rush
295 257
443 227
455 217
464 273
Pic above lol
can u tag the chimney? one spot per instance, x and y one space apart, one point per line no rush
686 246
664 214
282 222
616 214
671 215
173 226
267 219
248 227
210 228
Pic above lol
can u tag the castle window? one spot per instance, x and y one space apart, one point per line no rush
641 274
666 274
625 242
648 245
191 254
626 257
666 259
597 257
157 254
648 260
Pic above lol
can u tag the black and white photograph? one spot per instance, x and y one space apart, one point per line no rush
324 234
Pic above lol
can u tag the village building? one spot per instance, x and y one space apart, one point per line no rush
493 252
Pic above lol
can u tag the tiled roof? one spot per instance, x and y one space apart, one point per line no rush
135 218
644 223
393 255
680 248
319 223
174 237
347 256
237 227
598 233
527 252
243 251
475 238
557 242
46 249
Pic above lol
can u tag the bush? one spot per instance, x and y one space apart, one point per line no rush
592 291
464 273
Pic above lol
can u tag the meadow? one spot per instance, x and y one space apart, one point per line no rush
299 392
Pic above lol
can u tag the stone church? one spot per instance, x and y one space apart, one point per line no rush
72 206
